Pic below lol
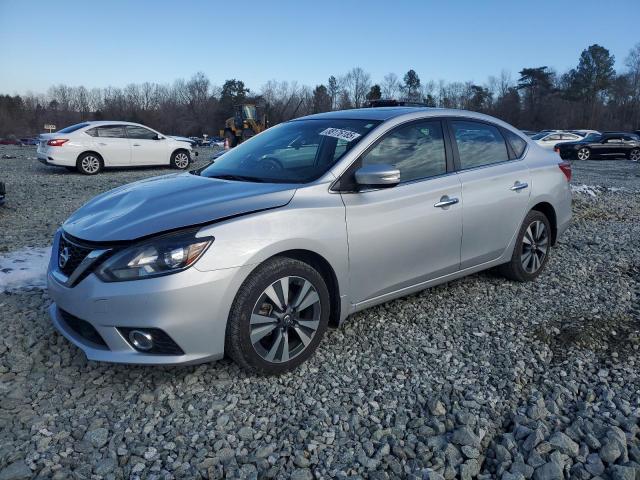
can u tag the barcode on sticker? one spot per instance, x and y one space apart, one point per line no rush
341 134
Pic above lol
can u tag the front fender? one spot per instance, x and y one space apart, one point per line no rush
314 220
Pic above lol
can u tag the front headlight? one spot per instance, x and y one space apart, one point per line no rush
158 256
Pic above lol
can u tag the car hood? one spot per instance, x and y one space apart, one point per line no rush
169 202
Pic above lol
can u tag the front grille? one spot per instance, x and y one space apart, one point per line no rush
73 253
162 343
83 329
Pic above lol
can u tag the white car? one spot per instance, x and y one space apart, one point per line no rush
583 133
549 140
91 146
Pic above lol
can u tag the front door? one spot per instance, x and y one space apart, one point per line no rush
146 147
495 188
410 233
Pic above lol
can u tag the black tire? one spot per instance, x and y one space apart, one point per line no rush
180 159
634 154
233 140
583 153
514 269
238 344
89 163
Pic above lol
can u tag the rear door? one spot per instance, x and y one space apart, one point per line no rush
495 189
146 147
111 142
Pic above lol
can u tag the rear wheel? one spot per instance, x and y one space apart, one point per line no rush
634 154
584 154
532 248
278 317
180 160
89 164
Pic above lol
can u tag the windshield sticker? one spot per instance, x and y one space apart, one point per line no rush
341 134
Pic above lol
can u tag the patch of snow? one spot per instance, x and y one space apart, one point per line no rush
24 268
590 190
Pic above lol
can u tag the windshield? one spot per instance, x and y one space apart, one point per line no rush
539 136
294 152
592 137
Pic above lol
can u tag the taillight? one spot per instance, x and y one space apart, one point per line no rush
556 149
566 169
58 142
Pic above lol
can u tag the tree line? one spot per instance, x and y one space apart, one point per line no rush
591 95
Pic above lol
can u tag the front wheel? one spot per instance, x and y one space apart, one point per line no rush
180 160
532 248
634 154
584 154
278 317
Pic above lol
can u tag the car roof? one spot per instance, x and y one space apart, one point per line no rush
95 123
388 113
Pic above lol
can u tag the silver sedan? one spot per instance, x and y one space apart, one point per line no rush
255 255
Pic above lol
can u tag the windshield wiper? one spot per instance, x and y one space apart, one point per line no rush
239 178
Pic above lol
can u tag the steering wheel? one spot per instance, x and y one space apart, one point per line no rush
270 163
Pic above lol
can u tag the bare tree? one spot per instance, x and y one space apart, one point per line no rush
390 86
357 82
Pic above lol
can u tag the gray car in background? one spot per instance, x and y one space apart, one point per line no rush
306 223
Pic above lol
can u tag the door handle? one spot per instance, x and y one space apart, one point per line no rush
136 144
519 186
445 201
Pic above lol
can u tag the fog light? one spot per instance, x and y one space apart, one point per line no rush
141 340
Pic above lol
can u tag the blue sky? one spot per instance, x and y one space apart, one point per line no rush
117 42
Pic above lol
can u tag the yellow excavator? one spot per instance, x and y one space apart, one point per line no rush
243 125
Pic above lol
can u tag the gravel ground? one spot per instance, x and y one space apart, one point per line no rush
479 378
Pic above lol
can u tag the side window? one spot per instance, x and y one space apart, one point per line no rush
92 132
478 144
553 138
417 150
518 144
140 133
613 140
111 131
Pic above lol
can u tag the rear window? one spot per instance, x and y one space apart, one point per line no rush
73 128
111 131
518 144
478 144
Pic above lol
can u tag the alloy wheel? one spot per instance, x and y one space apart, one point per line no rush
181 160
90 164
535 245
285 319
583 154
635 155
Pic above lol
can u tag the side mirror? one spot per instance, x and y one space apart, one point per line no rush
379 176
159 137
